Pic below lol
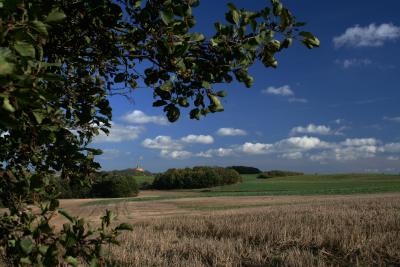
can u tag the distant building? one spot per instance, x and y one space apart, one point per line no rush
138 168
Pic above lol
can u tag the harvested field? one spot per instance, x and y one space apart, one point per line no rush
356 230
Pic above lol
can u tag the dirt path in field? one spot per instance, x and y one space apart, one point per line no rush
140 211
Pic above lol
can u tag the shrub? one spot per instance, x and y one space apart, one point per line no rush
197 177
115 186
245 169
277 173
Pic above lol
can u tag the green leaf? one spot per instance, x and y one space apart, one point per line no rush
195 114
72 260
197 37
173 113
40 27
133 83
182 101
66 215
216 105
167 16
39 116
167 86
119 78
124 226
56 15
277 7
7 105
221 93
25 261
6 68
25 49
236 16
159 103
43 249
26 245
206 85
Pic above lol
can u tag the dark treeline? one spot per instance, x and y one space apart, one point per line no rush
104 185
245 169
197 177
278 173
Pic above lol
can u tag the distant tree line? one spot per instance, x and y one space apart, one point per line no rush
129 172
278 173
104 185
197 177
245 169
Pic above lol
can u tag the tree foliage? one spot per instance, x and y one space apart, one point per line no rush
197 177
278 173
61 59
245 169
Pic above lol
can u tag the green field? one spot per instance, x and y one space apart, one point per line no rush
315 184
338 184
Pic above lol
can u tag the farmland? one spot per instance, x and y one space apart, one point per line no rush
345 220
339 184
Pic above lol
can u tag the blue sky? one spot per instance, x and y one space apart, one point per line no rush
331 109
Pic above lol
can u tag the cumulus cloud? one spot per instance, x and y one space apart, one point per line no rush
219 152
175 148
201 139
392 119
175 154
282 91
292 155
391 148
119 133
353 62
139 117
360 142
312 129
231 132
369 36
163 143
255 148
303 142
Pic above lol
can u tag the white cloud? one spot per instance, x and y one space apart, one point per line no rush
139 117
231 132
174 149
368 36
219 152
393 158
391 148
282 91
175 154
353 62
355 152
303 143
163 143
292 155
393 119
360 142
255 148
119 133
201 139
312 129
